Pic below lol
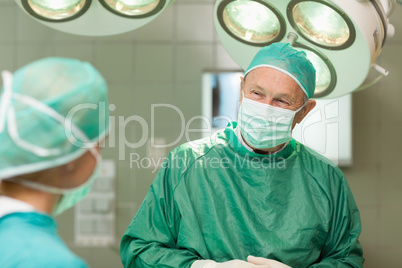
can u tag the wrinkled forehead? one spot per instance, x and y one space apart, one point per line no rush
282 70
282 82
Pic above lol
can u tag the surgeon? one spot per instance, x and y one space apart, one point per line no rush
251 196
52 119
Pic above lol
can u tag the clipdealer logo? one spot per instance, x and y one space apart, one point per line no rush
127 148
207 162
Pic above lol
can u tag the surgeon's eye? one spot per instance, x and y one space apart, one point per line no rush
256 95
282 103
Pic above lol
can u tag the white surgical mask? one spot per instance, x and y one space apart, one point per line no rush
265 126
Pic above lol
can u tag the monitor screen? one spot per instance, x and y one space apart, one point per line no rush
221 93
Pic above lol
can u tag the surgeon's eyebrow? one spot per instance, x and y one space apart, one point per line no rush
258 87
254 87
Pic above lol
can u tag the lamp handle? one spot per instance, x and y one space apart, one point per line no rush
391 7
382 73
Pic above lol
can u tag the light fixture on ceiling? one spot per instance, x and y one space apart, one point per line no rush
251 22
94 17
342 38
134 8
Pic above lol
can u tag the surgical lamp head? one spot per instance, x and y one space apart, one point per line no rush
94 18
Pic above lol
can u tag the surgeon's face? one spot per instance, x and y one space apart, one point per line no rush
270 86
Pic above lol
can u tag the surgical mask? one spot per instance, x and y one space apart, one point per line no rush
264 126
73 196
70 197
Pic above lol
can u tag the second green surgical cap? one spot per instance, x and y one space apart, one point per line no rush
283 57
49 110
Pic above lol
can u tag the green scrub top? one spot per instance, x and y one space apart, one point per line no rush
30 240
214 199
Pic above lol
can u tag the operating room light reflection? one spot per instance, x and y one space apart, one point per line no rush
135 3
55 4
56 9
251 21
321 23
323 74
132 7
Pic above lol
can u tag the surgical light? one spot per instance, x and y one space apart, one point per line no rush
321 24
342 38
325 72
94 17
53 10
251 21
133 8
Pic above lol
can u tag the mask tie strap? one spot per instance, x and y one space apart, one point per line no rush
43 152
301 107
39 186
13 132
46 152
5 98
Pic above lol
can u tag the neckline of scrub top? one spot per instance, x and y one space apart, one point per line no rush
232 138
42 220
10 205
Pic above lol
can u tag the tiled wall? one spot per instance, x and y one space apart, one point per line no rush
162 63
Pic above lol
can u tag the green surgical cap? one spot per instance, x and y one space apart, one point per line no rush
283 57
51 112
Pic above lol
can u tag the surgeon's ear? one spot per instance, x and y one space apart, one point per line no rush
303 112
241 87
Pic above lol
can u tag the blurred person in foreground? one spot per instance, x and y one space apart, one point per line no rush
51 123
